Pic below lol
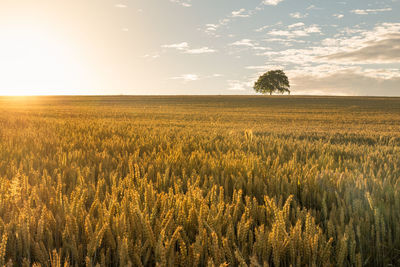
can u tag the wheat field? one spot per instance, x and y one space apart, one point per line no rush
199 181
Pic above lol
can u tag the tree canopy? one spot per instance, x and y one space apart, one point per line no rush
271 82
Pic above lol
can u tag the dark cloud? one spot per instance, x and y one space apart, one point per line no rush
386 50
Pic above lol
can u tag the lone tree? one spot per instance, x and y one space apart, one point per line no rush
272 81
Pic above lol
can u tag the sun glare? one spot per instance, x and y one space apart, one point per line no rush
34 62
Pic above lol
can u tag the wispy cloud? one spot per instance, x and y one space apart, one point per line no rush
151 56
313 7
121 6
178 46
338 16
296 25
202 50
263 68
272 2
182 2
370 11
260 29
211 28
185 48
296 30
186 77
247 43
244 42
191 77
298 15
241 13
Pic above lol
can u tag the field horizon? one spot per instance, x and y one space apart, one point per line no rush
206 95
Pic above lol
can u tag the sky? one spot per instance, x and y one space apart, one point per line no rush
180 47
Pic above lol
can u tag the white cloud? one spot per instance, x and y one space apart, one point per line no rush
313 7
240 13
182 2
211 27
264 68
313 29
262 28
370 11
185 48
296 30
195 77
296 25
178 46
267 27
202 50
272 2
287 42
186 77
249 44
338 16
121 6
151 56
244 42
298 15
297 56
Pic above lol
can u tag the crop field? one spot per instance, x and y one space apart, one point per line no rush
199 181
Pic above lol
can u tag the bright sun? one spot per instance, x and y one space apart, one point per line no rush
34 61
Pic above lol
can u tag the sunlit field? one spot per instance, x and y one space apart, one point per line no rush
200 181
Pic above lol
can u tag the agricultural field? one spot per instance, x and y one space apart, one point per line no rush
199 181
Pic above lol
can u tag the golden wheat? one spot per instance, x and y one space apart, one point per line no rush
155 181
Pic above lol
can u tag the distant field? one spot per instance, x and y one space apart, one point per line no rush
200 181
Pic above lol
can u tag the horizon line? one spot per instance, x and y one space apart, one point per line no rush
198 95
